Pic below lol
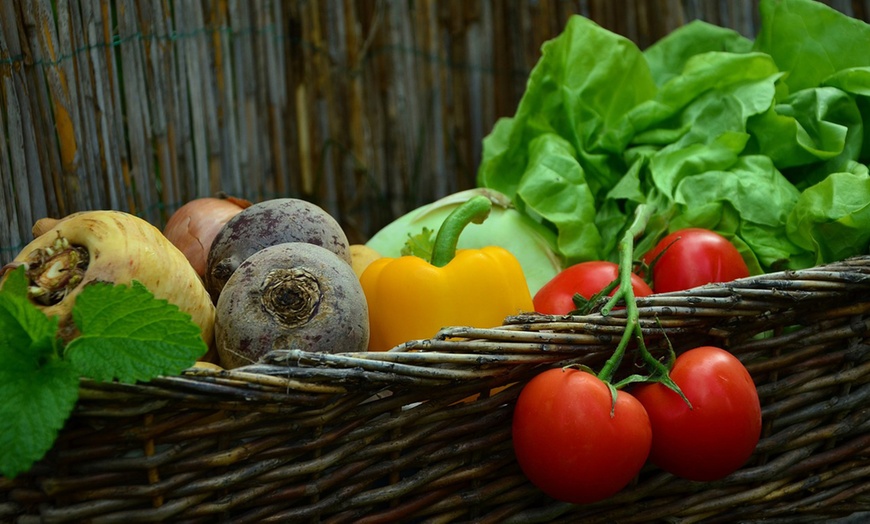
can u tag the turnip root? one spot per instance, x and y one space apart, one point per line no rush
114 247
290 296
266 224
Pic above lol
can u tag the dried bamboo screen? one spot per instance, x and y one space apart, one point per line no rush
366 107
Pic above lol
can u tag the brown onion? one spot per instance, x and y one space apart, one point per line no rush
193 226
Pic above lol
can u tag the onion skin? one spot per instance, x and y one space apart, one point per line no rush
122 248
194 225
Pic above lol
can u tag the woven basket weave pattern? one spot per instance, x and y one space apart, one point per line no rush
381 437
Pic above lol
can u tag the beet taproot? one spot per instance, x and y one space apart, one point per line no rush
293 295
265 224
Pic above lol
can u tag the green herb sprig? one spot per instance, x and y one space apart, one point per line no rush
126 334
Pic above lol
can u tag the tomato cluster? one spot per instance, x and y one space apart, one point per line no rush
581 440
577 445
682 260
556 297
716 432
573 442
693 257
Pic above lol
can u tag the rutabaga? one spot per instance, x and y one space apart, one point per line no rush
112 247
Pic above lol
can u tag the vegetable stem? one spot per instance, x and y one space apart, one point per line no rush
473 210
626 293
659 371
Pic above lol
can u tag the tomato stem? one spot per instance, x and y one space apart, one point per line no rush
625 293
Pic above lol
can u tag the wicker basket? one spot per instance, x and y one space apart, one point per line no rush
395 436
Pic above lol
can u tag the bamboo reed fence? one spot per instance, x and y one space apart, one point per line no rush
367 107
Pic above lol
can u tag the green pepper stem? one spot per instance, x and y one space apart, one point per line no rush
475 210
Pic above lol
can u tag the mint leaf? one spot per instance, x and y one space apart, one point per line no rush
23 325
38 391
126 334
15 283
129 335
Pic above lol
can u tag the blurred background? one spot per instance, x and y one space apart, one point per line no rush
369 108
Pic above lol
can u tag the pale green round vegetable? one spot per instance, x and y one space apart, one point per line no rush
532 243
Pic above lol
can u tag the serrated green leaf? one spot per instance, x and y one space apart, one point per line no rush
129 335
23 325
36 398
420 245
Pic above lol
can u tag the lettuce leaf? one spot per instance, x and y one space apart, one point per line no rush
759 140
810 40
856 81
568 132
832 218
668 56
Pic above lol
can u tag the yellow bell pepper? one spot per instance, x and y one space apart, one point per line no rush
411 298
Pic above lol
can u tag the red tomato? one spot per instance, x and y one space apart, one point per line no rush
556 297
718 435
568 444
694 257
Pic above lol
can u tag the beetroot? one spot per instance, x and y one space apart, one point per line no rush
290 296
266 224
